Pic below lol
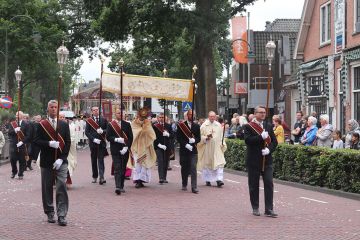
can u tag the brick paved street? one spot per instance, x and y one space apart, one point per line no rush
165 212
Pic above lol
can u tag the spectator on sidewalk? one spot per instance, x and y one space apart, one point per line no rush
355 143
338 143
309 136
353 126
234 127
278 129
324 134
296 132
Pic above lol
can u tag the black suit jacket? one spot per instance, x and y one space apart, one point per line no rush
116 147
92 134
183 139
25 128
161 139
42 139
254 145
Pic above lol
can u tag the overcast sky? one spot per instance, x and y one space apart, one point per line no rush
260 12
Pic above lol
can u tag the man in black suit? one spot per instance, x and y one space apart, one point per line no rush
261 142
18 147
119 134
162 145
95 130
188 135
53 162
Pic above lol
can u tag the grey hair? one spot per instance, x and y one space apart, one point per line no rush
324 117
312 120
257 108
52 102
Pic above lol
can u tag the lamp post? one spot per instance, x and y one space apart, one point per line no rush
36 37
18 74
270 51
62 55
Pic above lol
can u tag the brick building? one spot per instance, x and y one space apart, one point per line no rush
328 43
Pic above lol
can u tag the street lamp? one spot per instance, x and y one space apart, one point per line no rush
270 51
18 74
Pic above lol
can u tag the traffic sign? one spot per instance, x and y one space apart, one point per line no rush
186 106
6 102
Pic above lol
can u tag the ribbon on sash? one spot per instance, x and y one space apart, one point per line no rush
186 130
95 126
46 125
160 127
258 129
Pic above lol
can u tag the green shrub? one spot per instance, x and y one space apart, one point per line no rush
317 166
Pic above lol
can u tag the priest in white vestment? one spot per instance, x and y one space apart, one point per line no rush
211 148
142 148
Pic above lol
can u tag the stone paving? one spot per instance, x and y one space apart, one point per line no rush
166 212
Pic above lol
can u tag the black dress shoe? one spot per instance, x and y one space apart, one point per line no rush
270 213
51 218
166 181
102 181
122 190
208 184
256 212
21 177
169 169
94 180
184 188
137 185
127 178
117 191
161 182
195 190
12 175
30 168
219 183
62 221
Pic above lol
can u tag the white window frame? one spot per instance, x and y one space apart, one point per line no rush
353 65
355 14
327 7
339 93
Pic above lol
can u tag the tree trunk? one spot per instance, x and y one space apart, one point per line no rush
206 97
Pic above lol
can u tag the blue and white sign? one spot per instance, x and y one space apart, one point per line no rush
186 106
339 25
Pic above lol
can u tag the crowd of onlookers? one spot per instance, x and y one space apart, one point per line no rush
307 130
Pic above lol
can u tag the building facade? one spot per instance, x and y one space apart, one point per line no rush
328 43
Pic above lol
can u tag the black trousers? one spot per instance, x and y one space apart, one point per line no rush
62 200
16 155
97 160
163 163
120 162
188 166
253 182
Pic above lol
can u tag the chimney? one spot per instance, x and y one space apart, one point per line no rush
267 25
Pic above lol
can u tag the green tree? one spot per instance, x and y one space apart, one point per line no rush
157 25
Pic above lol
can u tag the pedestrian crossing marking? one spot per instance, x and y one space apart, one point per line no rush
310 199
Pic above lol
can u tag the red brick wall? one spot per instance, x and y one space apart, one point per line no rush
351 38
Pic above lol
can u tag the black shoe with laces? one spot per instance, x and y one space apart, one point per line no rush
117 191
270 213
12 175
195 190
219 183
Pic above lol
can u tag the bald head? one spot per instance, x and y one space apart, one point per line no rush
212 116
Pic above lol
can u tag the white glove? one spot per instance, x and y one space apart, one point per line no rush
191 140
54 144
19 144
124 150
99 131
17 129
97 141
163 147
166 134
265 151
189 147
264 135
120 140
57 164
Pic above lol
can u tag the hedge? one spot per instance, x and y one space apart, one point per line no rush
317 166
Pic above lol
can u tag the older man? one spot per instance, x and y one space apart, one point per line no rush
324 134
53 138
211 150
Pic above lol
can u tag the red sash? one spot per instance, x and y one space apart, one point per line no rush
95 126
258 129
52 133
186 130
19 134
160 127
120 133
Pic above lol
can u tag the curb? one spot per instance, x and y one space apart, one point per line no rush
338 193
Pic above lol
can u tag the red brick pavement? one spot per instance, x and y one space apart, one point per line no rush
165 212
